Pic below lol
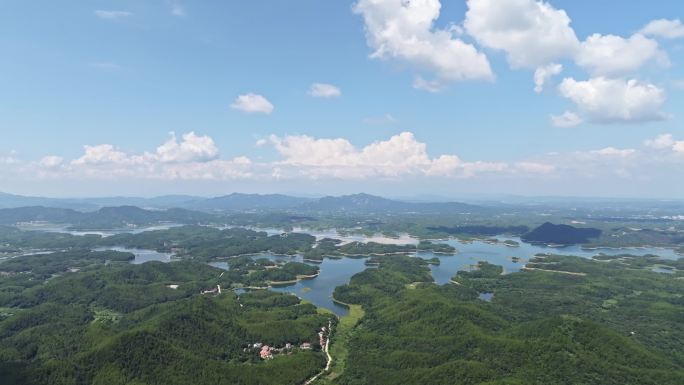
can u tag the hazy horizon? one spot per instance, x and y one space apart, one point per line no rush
465 197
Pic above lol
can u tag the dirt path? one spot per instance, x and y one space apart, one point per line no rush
554 271
327 357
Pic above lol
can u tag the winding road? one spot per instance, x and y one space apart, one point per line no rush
327 357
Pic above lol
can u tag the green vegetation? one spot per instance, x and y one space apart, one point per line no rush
640 261
627 236
190 242
205 243
326 247
511 243
433 261
20 274
42 266
479 230
104 218
373 248
388 280
124 325
287 273
619 228
330 248
481 270
437 248
540 328
75 316
263 272
339 348
15 240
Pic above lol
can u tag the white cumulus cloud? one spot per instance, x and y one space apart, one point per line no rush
192 148
610 55
616 152
405 31
101 154
252 103
193 157
605 100
322 90
678 147
660 142
666 142
532 33
669 29
400 155
544 74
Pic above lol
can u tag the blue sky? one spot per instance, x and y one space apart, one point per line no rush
124 74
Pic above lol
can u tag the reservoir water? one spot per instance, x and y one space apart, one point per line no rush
318 290
141 255
336 272
65 229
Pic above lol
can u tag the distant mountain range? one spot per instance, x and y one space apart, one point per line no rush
370 203
104 218
243 202
85 204
236 202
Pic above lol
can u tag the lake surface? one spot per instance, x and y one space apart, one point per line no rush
345 237
319 290
64 228
141 255
469 254
336 272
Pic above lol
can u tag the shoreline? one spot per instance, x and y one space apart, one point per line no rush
344 304
299 278
525 268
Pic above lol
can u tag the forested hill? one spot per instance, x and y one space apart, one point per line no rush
548 233
149 325
236 202
607 323
104 218
365 203
91 204
240 202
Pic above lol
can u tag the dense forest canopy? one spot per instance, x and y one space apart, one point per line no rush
148 324
607 324
74 312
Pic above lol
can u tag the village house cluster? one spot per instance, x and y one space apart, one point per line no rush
216 290
267 352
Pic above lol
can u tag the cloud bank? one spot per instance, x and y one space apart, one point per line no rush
533 35
401 157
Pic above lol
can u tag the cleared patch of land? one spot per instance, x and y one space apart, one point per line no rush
339 349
